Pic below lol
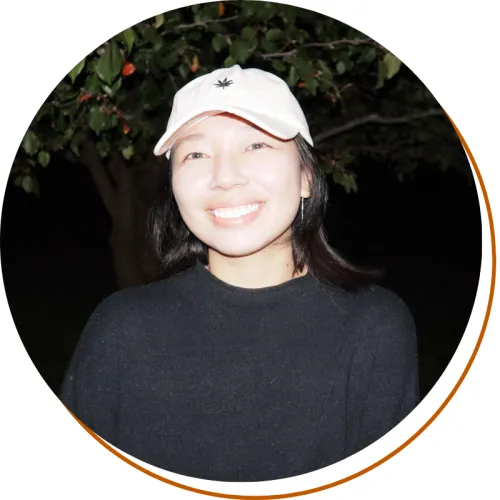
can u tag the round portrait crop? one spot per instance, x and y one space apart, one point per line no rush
260 353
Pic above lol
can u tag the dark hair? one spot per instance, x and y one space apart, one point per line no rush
178 249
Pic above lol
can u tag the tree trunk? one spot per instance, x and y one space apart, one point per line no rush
124 254
116 186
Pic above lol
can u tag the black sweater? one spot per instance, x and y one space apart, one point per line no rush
213 381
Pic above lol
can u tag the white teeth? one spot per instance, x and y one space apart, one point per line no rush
234 212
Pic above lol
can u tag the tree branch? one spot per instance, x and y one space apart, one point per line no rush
204 23
328 45
375 118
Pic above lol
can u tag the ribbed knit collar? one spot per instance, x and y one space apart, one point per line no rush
284 291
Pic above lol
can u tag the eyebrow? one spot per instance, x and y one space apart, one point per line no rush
190 137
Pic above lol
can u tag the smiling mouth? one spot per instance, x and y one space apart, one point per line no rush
235 212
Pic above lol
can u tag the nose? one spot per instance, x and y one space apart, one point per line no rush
227 172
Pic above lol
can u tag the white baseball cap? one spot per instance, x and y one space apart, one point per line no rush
252 94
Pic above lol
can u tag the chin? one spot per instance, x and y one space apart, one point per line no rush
233 249
245 246
244 241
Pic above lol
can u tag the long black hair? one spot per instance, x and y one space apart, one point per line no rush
178 249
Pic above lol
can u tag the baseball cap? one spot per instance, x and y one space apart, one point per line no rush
255 95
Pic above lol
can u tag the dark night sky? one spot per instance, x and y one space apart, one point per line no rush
426 233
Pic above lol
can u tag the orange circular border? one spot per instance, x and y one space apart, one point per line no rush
401 447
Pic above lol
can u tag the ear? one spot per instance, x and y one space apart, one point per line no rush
306 181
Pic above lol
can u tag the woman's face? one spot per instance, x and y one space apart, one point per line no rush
238 188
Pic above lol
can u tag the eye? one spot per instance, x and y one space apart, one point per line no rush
257 145
194 156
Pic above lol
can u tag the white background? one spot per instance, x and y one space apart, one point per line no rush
452 47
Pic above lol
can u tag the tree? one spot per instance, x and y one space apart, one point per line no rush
112 107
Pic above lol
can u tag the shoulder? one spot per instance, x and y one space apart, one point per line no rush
379 317
379 303
123 324
133 306
368 304
149 295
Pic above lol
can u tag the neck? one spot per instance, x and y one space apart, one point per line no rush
267 268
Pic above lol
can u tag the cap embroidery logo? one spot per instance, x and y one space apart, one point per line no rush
224 83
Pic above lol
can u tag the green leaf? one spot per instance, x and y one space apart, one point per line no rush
327 166
219 42
387 68
274 34
69 95
279 65
129 38
326 73
159 20
265 11
128 152
111 121
18 181
59 142
184 70
249 9
304 67
43 158
92 84
77 70
113 89
110 63
60 124
267 46
248 33
381 74
30 185
289 14
153 95
30 143
292 76
343 178
216 28
68 133
42 112
301 36
167 60
75 143
240 50
368 55
229 61
116 86
97 119
70 110
108 90
151 36
340 67
103 148
312 85
342 55
392 63
179 46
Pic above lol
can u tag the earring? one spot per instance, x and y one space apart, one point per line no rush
301 209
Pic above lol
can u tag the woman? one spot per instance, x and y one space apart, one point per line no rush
260 354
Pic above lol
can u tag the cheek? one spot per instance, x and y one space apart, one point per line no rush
282 181
184 187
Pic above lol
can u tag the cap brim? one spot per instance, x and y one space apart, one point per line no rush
271 124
